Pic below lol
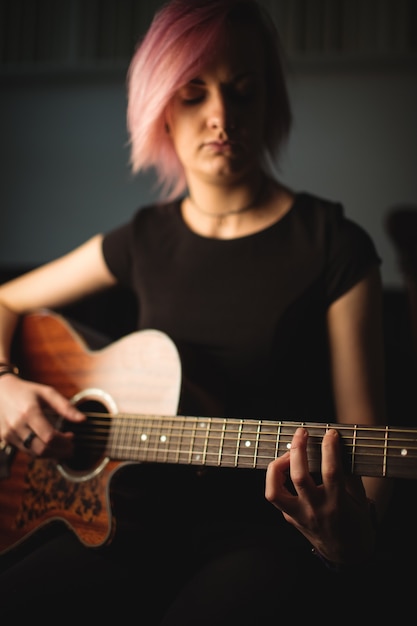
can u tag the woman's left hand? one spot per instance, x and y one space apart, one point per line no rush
334 515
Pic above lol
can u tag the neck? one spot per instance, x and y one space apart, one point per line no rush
218 206
222 214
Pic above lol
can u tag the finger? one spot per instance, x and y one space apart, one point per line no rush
45 422
332 472
299 469
276 477
47 437
60 404
27 441
42 434
31 443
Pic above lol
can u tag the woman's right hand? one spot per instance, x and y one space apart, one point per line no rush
30 418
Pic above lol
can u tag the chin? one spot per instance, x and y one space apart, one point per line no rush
229 170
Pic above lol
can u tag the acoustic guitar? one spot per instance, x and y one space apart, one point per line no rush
129 392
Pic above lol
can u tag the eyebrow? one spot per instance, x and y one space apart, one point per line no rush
200 81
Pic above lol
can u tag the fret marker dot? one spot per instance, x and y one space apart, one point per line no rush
288 446
143 437
404 452
247 444
163 438
202 425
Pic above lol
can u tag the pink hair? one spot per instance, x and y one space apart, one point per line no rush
182 35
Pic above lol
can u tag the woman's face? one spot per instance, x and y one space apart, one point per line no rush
217 120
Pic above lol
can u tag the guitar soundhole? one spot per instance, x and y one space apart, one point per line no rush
90 436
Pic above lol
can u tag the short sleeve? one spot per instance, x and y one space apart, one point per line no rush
117 254
351 255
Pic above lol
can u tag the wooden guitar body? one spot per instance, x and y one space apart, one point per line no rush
140 373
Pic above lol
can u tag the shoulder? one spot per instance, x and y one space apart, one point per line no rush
328 219
157 211
349 250
145 232
345 249
318 209
147 217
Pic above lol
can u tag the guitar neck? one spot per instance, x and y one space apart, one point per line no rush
248 443
141 375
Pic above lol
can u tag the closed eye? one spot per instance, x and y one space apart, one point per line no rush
192 94
244 89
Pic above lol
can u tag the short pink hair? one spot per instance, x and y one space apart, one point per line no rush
183 34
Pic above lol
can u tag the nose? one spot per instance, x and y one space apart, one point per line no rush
220 113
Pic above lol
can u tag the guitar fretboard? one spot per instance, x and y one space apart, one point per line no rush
249 443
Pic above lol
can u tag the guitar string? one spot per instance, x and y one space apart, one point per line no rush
188 424
106 418
280 440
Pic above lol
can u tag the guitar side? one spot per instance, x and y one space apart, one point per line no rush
140 372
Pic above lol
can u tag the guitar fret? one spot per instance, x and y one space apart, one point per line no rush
160 440
367 444
227 445
113 438
114 433
352 464
278 440
238 442
176 440
131 434
201 441
255 452
384 473
180 440
167 438
266 449
221 445
247 444
127 433
206 440
213 442
146 438
192 440
154 440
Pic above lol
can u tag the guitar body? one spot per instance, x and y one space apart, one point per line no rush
139 373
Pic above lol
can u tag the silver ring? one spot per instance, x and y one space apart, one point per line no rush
28 441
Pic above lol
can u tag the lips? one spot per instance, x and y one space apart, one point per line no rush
219 145
222 147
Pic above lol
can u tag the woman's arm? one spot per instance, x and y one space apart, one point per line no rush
81 272
357 353
335 516
358 366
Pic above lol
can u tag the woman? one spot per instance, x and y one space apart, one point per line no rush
273 299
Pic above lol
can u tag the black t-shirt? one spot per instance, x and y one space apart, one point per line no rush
248 315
